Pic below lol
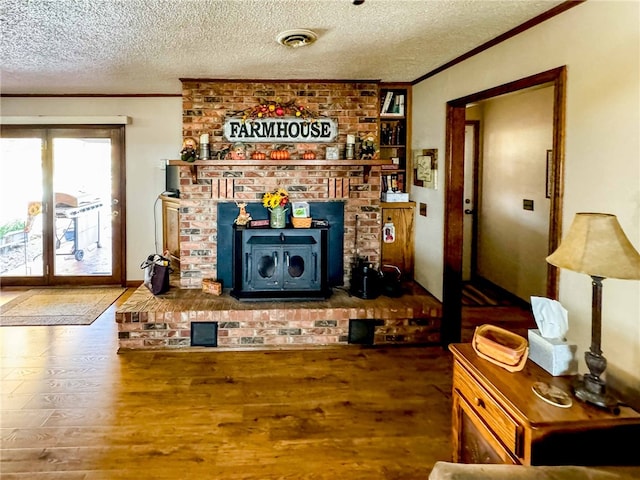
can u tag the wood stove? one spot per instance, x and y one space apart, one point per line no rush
280 263
331 212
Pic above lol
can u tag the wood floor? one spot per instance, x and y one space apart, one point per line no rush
72 408
483 302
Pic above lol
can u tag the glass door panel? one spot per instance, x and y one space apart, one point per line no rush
21 213
62 205
82 199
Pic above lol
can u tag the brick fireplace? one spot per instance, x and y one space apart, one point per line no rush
209 191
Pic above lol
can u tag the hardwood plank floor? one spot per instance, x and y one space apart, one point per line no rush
513 317
72 408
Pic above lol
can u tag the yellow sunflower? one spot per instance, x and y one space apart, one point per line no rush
277 198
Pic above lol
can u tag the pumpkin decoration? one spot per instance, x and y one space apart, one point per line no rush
258 156
280 153
309 155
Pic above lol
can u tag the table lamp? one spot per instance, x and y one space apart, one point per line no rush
596 245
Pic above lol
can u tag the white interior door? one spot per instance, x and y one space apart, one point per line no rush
470 154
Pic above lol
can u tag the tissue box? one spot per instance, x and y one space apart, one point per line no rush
552 354
395 197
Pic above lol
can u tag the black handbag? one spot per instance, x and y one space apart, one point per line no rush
156 273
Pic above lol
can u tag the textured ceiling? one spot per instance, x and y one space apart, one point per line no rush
145 46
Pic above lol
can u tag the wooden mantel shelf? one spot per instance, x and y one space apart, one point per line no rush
367 164
257 163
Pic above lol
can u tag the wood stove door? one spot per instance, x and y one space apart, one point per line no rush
264 268
301 268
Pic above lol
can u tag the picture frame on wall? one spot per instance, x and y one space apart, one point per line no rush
549 174
426 168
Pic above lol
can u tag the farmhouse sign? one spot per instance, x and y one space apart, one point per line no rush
280 130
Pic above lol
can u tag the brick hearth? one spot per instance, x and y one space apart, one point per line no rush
146 322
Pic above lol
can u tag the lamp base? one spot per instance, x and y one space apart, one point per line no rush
592 389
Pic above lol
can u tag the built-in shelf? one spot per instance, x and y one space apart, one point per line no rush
395 130
367 164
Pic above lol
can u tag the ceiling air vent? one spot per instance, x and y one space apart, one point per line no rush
296 38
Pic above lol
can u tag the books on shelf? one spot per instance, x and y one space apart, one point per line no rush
393 105
393 182
387 102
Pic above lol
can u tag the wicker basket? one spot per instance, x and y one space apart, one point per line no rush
301 222
501 347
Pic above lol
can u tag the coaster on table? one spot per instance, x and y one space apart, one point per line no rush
552 395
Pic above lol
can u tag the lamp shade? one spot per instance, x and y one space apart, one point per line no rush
597 245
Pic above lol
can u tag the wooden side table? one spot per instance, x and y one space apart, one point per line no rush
497 418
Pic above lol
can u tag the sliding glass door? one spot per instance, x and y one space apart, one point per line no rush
21 194
61 206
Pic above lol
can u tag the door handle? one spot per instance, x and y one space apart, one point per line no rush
468 211
315 266
247 268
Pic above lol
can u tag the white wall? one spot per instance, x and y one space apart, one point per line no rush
155 133
517 131
599 43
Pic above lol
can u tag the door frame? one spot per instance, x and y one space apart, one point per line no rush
118 218
451 330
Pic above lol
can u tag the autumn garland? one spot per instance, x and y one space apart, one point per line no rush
276 109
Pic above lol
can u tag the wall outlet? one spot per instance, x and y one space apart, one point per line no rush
527 204
162 164
423 209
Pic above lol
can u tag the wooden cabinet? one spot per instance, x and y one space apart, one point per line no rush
171 226
497 418
395 133
399 252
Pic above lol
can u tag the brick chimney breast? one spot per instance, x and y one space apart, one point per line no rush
354 105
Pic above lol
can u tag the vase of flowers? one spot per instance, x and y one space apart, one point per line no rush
276 202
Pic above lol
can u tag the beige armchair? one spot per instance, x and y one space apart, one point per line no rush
459 471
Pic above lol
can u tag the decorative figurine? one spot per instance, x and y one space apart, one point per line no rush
238 151
368 147
243 217
189 150
222 154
